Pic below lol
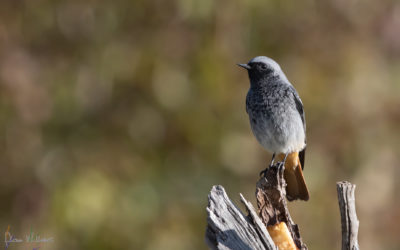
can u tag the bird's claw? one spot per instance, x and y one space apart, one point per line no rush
280 166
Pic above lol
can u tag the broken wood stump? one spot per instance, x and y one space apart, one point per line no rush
271 227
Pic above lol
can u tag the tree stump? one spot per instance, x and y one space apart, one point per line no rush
272 227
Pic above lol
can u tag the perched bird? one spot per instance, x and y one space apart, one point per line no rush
277 120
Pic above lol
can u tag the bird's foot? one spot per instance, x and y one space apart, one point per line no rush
280 166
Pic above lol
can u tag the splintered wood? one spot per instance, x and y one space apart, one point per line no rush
229 228
271 202
281 236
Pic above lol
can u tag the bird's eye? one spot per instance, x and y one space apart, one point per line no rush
263 66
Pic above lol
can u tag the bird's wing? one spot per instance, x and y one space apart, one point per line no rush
247 103
300 109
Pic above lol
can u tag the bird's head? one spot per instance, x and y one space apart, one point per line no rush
262 67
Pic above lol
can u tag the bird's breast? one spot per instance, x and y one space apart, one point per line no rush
276 125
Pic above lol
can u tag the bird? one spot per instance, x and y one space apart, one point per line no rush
277 120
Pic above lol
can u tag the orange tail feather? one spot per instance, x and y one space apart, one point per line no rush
296 186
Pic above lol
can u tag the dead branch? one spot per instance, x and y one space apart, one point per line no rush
348 215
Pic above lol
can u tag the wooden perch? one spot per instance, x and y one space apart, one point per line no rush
348 215
229 228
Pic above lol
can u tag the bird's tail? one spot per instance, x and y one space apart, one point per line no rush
296 186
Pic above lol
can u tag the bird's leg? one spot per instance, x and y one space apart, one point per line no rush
284 159
282 163
272 160
262 173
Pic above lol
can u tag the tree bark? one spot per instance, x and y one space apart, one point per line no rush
271 201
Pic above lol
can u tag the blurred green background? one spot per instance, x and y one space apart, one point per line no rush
117 117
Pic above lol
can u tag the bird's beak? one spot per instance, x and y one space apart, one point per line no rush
244 65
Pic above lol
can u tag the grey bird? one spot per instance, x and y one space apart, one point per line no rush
277 120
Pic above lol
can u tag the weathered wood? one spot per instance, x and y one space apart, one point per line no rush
271 201
258 225
228 228
348 215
